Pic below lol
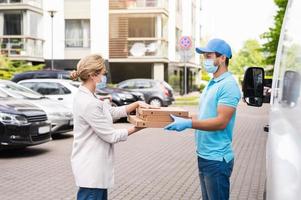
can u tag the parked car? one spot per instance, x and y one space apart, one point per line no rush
120 97
39 74
21 124
157 93
56 89
61 117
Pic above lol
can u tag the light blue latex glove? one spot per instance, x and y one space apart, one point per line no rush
179 124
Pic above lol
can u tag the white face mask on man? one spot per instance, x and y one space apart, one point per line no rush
209 66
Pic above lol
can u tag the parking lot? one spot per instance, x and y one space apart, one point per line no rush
152 164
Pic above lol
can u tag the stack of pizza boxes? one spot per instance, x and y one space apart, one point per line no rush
156 117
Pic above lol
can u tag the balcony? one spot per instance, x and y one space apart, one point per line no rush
22 48
138 6
147 48
34 5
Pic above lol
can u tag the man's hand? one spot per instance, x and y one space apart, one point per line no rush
179 124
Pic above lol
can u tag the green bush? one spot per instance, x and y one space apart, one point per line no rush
174 81
8 67
202 86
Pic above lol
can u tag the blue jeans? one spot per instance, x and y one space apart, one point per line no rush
215 178
92 194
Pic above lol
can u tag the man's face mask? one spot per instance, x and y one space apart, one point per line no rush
209 66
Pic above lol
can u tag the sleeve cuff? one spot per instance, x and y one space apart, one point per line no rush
124 134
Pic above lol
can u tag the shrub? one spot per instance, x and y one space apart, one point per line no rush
8 67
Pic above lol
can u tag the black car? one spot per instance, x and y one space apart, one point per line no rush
157 93
21 124
120 97
57 74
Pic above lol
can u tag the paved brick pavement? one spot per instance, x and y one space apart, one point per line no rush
152 164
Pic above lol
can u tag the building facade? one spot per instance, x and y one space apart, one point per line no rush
138 38
20 39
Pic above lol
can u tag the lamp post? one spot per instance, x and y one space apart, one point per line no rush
52 12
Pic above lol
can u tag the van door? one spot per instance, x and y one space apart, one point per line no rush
284 141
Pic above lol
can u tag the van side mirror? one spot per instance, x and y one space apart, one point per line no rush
252 86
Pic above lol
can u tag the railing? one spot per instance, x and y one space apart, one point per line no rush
36 3
132 4
21 46
147 47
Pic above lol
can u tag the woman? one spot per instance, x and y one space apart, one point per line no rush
94 135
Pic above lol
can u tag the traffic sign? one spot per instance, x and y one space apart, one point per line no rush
185 42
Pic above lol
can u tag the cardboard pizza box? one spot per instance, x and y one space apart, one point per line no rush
166 111
155 118
133 119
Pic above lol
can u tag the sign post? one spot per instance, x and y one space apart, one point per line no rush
185 44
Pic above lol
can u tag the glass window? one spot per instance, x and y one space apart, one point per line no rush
127 85
63 89
47 88
35 20
77 33
29 85
142 27
143 84
12 24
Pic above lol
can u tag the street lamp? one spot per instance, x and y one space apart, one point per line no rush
52 12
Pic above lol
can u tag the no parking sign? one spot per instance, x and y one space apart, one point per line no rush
185 42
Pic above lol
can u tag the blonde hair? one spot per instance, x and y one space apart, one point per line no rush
87 66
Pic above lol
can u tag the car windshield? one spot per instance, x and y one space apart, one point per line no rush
19 91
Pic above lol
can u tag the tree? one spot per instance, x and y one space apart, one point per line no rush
249 55
272 36
8 67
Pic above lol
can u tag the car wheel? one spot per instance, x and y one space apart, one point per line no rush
155 102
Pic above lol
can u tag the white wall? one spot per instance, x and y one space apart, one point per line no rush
197 30
172 30
58 29
100 27
158 71
186 6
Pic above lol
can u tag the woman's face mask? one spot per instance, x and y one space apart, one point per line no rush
103 82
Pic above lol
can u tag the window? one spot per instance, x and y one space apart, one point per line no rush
12 24
127 85
77 33
142 27
10 1
29 85
142 84
47 88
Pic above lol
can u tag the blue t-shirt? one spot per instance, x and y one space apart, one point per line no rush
217 145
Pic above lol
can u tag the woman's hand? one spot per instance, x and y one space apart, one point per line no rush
134 129
131 107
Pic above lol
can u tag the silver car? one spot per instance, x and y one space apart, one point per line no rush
60 116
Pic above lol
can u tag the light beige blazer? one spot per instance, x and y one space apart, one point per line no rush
92 156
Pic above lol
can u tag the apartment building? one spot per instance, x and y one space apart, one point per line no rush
138 38
20 37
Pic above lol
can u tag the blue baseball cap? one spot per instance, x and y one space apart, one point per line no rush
216 45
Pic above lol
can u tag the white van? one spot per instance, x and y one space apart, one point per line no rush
283 169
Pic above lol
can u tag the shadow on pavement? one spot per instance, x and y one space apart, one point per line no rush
61 136
22 152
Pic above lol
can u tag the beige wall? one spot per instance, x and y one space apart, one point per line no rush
77 9
74 53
